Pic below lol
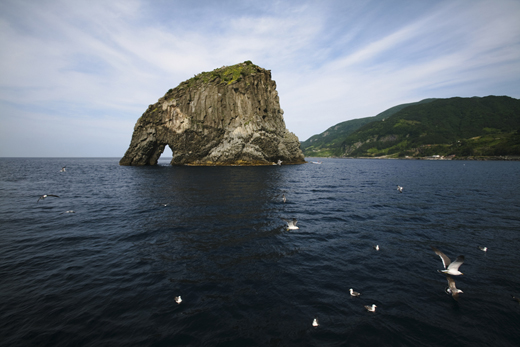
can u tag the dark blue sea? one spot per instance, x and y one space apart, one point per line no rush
107 274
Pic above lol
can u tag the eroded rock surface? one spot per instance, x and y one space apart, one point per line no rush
229 116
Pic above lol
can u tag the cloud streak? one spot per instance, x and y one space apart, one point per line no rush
91 68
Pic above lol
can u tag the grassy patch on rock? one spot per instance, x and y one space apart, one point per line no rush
224 75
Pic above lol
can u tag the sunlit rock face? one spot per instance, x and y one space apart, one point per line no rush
229 116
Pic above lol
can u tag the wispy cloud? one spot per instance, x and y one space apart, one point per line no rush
75 66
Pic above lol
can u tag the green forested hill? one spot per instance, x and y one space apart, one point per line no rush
330 141
488 126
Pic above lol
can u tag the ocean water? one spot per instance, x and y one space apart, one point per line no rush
107 275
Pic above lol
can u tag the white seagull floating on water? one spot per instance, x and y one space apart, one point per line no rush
449 267
376 247
483 249
178 299
399 188
291 224
46 195
283 198
371 308
354 293
452 288
315 322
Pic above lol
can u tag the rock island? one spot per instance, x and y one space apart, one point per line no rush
229 116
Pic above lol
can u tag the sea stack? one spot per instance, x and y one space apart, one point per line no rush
229 116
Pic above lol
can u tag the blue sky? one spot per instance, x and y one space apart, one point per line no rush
76 75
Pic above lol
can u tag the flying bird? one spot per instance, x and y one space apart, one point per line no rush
63 169
354 293
178 299
483 249
291 224
449 267
315 322
46 195
376 247
452 289
371 308
283 198
399 188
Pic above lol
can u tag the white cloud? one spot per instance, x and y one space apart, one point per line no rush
93 65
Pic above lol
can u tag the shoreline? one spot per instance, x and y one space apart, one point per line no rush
477 158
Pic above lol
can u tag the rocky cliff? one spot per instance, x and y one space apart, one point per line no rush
229 116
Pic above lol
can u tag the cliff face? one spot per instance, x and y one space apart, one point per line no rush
229 116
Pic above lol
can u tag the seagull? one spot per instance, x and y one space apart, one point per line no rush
515 299
63 169
483 249
279 162
291 224
178 299
46 195
376 247
399 188
354 293
452 289
315 322
450 268
70 211
371 308
283 198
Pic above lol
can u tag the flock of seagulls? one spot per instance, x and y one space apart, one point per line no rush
291 225
450 268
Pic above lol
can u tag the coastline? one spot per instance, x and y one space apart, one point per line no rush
478 158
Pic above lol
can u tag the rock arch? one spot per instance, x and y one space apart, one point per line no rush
215 119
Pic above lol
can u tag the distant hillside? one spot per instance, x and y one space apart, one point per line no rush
488 126
456 126
329 142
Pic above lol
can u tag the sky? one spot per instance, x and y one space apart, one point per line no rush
76 75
